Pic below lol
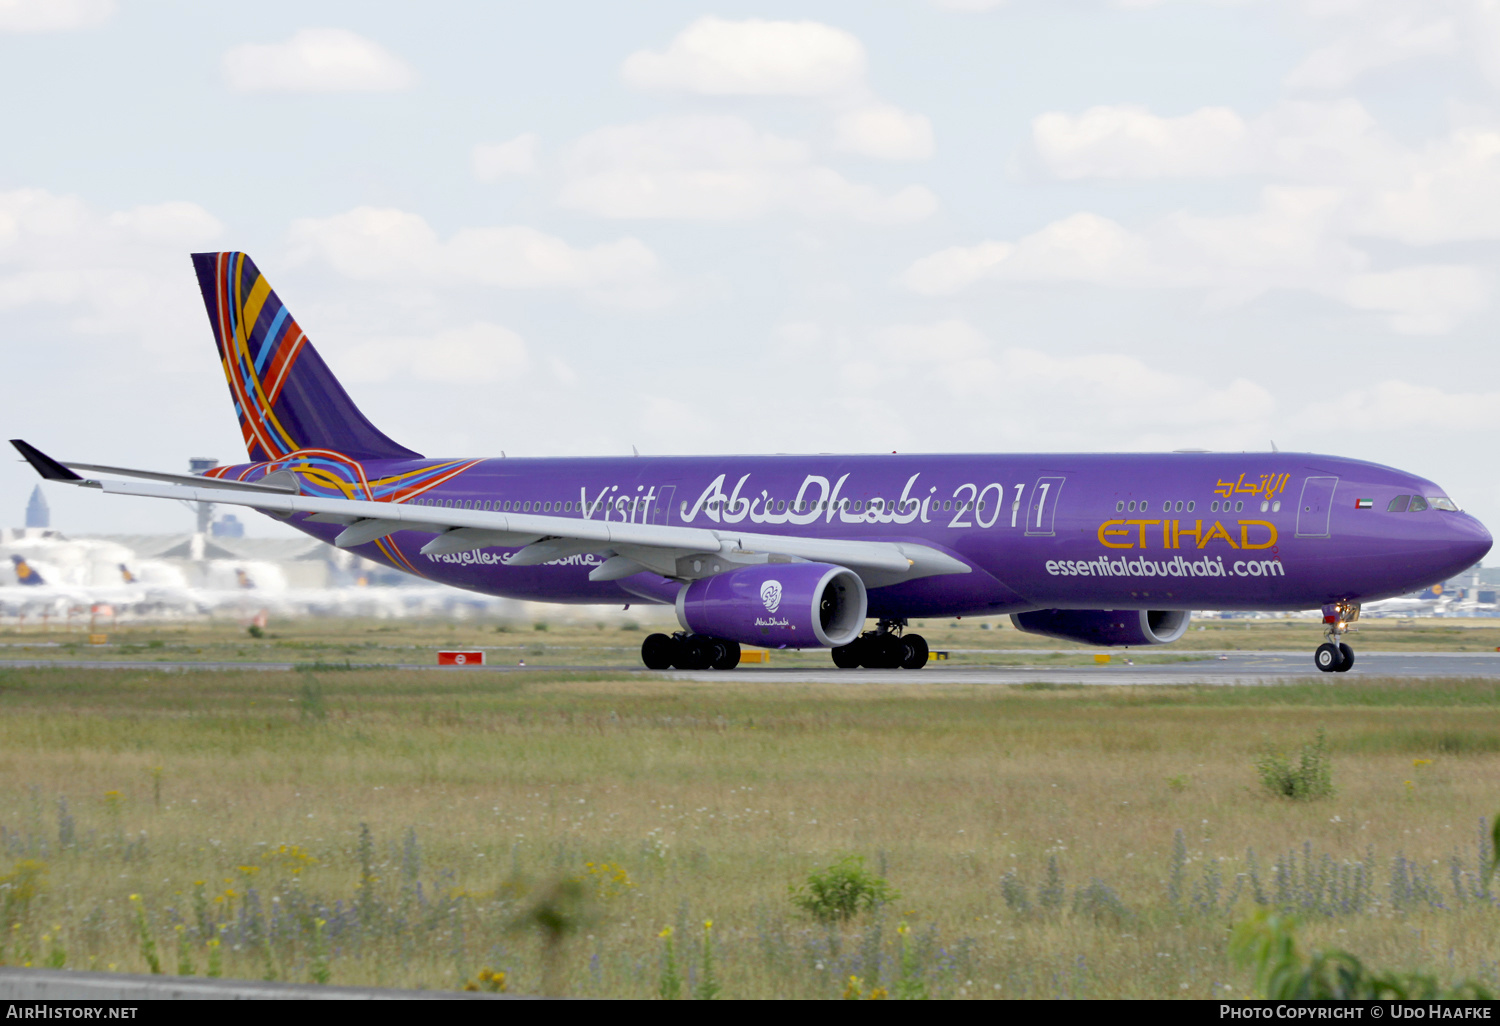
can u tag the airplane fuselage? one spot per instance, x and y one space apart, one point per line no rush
1256 531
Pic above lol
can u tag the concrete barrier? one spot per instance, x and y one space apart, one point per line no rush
66 985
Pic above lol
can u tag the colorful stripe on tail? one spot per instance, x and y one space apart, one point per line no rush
284 394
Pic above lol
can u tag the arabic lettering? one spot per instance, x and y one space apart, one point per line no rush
1267 487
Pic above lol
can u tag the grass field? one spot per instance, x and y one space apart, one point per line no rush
1045 841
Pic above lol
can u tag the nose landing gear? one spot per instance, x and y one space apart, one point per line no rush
885 648
1333 656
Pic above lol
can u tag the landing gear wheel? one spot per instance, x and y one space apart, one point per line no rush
726 654
657 651
1328 658
1348 654
694 652
914 652
847 657
884 652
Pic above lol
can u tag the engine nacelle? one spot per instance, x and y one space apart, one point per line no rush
777 605
1106 626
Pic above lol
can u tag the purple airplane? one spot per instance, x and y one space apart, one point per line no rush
800 551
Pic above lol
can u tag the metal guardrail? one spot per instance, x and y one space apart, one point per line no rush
67 985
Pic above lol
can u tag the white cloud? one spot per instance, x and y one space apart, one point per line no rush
398 247
122 273
718 168
316 60
954 269
1373 43
716 57
1286 244
883 131
514 158
1427 300
477 353
53 15
1370 36
979 6
1092 394
1399 406
1447 190
968 5
1131 142
1336 141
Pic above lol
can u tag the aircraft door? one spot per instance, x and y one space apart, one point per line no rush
1043 508
1315 506
661 506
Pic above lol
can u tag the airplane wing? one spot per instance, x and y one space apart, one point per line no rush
684 553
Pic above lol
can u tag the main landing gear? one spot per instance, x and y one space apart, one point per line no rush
689 652
1333 656
884 648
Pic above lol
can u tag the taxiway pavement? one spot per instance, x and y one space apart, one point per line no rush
1243 668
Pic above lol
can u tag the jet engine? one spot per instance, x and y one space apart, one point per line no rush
1106 626
777 605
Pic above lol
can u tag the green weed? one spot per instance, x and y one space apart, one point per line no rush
842 891
1310 779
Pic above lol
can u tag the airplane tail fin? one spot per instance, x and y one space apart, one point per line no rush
24 573
286 397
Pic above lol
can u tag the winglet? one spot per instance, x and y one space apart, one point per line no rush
49 468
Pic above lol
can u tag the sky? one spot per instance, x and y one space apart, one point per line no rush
920 225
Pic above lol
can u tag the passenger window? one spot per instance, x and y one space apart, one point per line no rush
1239 506
1120 506
1178 507
1191 505
1213 507
1418 504
1166 507
1398 504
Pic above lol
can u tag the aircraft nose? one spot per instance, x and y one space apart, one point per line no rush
1469 540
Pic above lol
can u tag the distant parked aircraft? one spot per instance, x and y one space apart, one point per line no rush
25 575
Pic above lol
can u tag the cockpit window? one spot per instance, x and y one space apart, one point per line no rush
1398 504
1418 504
1438 502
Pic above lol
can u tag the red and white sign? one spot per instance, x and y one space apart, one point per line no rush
460 658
